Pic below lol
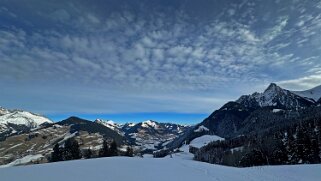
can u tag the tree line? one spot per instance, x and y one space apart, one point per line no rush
70 150
296 143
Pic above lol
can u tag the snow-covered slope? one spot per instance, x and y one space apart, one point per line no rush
314 93
204 140
23 118
112 125
150 123
147 169
18 120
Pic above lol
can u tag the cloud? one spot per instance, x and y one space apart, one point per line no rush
303 83
151 50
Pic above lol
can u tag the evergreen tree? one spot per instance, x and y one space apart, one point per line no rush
56 155
105 150
279 154
71 150
113 148
314 156
88 153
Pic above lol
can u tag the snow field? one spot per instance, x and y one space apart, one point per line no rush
147 169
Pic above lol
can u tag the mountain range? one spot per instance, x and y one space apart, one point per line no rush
24 133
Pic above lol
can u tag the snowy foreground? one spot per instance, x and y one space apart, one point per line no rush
180 167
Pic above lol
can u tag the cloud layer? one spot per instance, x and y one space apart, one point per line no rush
163 56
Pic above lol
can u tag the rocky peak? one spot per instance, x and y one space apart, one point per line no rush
274 96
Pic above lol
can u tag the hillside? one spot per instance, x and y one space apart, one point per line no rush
274 127
19 121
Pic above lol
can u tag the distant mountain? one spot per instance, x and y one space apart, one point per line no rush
110 124
3 111
38 143
77 124
314 93
148 135
15 121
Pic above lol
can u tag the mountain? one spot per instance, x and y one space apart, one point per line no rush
233 117
35 145
110 124
15 121
275 96
3 111
148 135
152 135
271 127
250 113
314 93
77 124
267 126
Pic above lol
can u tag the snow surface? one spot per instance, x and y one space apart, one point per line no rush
201 128
23 160
277 110
4 111
149 123
109 123
204 140
23 118
147 169
314 93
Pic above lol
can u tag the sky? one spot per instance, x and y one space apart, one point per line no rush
166 60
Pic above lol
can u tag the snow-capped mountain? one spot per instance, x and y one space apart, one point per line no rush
12 121
146 135
254 112
151 135
23 118
314 93
120 128
275 96
3 111
38 143
111 124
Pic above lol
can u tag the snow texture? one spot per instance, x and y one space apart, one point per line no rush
277 110
314 93
147 169
23 160
23 118
204 140
149 123
201 128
